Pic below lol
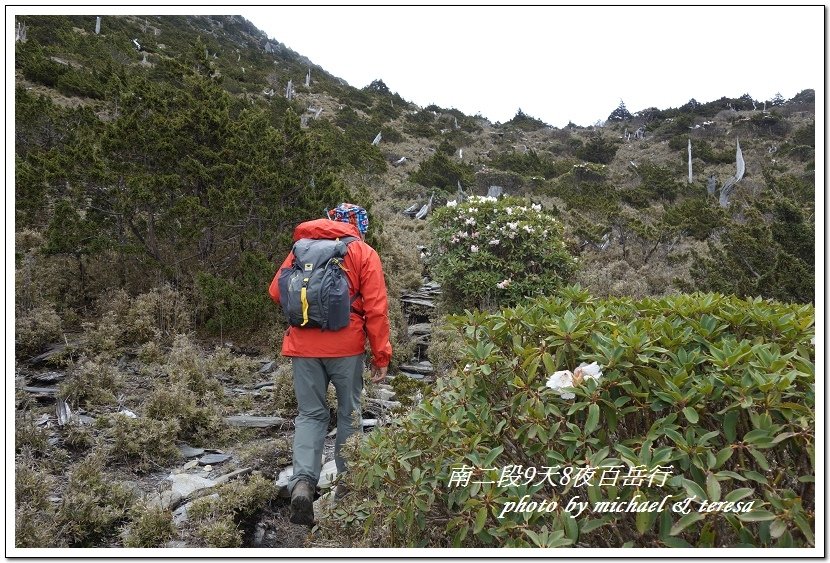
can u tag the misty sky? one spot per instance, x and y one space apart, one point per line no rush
557 63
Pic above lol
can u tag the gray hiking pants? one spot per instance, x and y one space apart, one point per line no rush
311 381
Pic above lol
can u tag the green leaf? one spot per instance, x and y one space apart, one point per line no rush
693 489
685 522
571 526
644 521
534 537
777 528
722 456
713 488
759 458
458 539
675 542
738 494
591 525
729 423
481 519
547 360
755 476
756 516
691 415
803 525
593 418
492 455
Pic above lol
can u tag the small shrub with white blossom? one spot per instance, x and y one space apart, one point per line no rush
493 252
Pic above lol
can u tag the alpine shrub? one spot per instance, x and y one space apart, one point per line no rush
494 252
703 400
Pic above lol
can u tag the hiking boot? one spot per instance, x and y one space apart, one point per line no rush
302 503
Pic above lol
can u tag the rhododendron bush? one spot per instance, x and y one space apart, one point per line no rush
491 252
575 421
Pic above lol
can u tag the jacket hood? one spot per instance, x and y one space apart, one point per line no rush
325 229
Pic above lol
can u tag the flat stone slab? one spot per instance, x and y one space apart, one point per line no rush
419 329
424 367
47 377
185 484
412 375
51 391
213 459
268 367
254 421
189 451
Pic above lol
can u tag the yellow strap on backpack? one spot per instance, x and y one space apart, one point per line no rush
304 301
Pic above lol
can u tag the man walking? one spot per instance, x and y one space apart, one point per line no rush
320 350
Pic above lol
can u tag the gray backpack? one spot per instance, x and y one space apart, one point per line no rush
314 291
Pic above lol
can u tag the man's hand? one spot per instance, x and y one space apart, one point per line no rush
379 374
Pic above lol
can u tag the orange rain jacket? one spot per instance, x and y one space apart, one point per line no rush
370 311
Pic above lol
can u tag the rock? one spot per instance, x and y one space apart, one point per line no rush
207 468
222 479
63 411
366 422
254 421
385 395
54 350
424 368
190 464
185 484
259 534
42 392
188 451
128 413
48 377
180 514
213 459
268 367
415 300
327 474
419 329
283 479
412 375
162 500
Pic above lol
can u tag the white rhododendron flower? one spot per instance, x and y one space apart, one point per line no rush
452 203
559 380
470 221
504 283
495 241
590 371
474 249
536 207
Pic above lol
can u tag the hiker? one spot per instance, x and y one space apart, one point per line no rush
326 339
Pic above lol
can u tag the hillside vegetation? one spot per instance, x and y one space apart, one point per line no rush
161 166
